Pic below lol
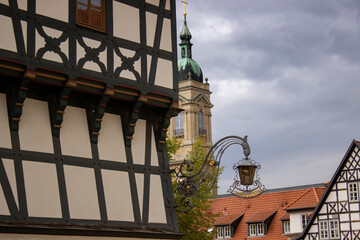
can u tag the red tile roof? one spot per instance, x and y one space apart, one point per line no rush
267 202
309 199
286 216
260 216
228 219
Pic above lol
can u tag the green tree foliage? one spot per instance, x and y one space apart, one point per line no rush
196 222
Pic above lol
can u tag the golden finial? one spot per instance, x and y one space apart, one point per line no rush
185 2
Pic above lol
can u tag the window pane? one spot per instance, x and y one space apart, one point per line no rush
83 15
220 232
227 231
83 1
96 3
179 129
96 18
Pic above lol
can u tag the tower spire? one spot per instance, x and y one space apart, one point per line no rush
185 2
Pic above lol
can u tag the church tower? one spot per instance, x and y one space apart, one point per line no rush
194 99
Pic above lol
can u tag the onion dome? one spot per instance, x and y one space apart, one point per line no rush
188 68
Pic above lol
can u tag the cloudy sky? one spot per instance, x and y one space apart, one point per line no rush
287 74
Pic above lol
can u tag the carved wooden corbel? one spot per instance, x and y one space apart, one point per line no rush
98 114
133 116
62 101
16 102
163 127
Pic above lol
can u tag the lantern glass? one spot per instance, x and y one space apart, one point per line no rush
247 174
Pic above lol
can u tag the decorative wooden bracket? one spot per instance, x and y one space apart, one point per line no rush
98 113
163 127
59 110
16 102
133 116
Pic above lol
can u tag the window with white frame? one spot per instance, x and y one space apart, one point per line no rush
257 229
304 221
220 232
179 125
353 192
286 227
227 232
252 229
329 229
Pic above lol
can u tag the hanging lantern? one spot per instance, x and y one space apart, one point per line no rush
247 172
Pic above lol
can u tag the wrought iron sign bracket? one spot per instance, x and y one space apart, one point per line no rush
192 184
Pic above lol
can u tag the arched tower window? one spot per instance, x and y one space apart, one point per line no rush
179 125
201 124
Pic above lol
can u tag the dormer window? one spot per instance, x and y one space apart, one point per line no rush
286 227
257 229
227 224
259 223
224 232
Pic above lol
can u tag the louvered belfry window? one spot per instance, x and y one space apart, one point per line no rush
91 14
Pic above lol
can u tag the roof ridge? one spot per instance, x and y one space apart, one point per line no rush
302 195
316 194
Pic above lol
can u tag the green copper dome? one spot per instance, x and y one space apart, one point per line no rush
188 68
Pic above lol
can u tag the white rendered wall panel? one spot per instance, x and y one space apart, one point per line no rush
22 4
12 236
126 22
90 65
354 206
35 127
59 9
139 178
129 54
5 139
156 201
10 172
7 37
74 133
342 195
150 28
154 155
164 73
355 226
81 192
24 31
5 2
331 197
165 42
345 226
117 195
138 142
40 43
42 191
354 216
111 140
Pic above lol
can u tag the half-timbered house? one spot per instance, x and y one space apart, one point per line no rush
87 88
337 215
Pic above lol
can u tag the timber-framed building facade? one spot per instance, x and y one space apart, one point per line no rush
87 90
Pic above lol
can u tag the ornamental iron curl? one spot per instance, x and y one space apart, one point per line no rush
194 184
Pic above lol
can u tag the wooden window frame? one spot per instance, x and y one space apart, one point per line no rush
220 232
353 191
286 227
227 232
103 16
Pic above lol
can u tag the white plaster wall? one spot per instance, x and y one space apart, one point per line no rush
111 140
164 73
118 195
156 3
165 42
4 209
344 217
5 2
7 37
355 226
35 125
156 202
74 133
331 197
42 191
154 155
126 22
5 139
355 216
22 4
24 31
295 221
354 206
342 195
6 236
138 142
139 178
81 192
345 226
59 9
151 19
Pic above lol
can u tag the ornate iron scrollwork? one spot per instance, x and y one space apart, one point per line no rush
194 184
